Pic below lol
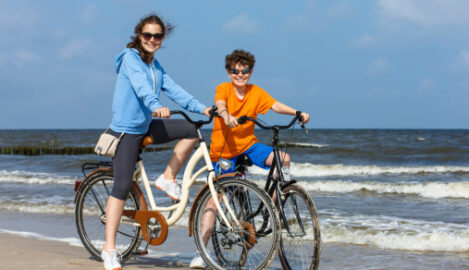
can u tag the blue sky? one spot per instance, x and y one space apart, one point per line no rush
350 64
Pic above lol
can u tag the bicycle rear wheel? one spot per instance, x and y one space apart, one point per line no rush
252 244
300 246
91 218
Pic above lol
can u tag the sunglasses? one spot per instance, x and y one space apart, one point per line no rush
236 71
157 36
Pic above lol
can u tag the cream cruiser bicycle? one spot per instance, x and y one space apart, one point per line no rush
238 241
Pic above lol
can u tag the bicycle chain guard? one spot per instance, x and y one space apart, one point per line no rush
143 217
249 234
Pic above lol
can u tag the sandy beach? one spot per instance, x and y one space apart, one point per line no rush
20 253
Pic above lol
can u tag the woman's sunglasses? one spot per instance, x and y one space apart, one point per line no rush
157 36
236 71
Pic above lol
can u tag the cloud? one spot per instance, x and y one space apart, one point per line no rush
19 58
460 64
242 23
74 48
14 16
364 40
380 65
464 56
426 85
339 10
425 13
303 20
89 14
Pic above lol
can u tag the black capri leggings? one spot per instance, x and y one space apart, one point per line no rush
162 131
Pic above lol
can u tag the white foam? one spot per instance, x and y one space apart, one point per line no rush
314 170
395 233
304 145
73 241
28 207
426 190
34 178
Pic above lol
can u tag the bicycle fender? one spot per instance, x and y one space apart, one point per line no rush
190 225
288 183
83 181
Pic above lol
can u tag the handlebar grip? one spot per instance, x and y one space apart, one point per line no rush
301 121
242 120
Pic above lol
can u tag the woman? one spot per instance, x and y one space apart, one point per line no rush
140 81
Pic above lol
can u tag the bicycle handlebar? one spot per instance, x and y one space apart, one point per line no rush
298 117
198 123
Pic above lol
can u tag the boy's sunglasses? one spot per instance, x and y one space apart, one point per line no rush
157 36
236 71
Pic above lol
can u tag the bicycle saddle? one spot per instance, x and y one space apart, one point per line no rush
147 141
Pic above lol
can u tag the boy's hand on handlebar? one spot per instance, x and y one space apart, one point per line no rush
305 117
230 120
162 112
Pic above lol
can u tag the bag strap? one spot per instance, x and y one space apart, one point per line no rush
122 134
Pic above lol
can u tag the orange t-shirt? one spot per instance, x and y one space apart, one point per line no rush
256 100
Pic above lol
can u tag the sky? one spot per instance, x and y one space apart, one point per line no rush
349 64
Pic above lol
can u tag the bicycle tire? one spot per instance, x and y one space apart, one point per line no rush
90 221
242 248
301 247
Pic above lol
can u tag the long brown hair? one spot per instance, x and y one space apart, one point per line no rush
135 40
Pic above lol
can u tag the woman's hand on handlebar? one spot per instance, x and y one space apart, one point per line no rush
207 111
162 112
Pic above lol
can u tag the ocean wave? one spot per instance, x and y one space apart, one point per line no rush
75 241
40 207
34 178
434 190
316 170
66 208
302 145
380 231
395 233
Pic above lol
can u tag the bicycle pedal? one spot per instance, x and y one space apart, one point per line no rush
140 252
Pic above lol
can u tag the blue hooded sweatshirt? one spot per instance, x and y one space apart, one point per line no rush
137 93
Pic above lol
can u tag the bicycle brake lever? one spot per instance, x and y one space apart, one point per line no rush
303 126
300 120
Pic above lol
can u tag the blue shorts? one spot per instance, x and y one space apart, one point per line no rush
257 153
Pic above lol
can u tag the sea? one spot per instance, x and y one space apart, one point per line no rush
386 198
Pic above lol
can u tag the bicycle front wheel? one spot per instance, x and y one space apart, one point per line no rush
253 242
91 218
300 246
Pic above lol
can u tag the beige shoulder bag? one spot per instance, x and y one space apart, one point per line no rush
107 144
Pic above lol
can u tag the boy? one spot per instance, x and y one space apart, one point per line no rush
229 139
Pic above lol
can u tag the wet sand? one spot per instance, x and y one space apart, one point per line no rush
21 253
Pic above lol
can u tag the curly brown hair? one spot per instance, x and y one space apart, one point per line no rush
135 40
239 56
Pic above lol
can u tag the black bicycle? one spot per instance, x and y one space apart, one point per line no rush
300 244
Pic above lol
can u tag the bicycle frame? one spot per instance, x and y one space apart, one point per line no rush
188 180
273 183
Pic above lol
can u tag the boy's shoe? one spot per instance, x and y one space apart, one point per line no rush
111 262
198 263
170 187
